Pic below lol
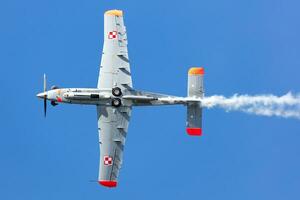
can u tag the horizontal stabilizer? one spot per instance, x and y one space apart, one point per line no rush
194 119
194 109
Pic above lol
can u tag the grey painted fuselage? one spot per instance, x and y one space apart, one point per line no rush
104 97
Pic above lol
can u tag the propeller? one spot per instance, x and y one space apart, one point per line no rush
45 95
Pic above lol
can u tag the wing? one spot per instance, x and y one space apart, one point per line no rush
112 128
113 122
114 68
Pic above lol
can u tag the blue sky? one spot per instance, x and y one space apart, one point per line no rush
245 46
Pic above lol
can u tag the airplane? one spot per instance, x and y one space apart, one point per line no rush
115 97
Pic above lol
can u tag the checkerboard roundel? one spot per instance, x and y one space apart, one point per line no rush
108 160
112 34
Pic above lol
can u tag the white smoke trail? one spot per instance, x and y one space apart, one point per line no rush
287 106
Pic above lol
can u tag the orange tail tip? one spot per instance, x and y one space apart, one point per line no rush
114 13
108 183
194 131
196 71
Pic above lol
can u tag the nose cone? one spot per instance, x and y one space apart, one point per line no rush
42 95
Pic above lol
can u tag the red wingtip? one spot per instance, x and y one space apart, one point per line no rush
108 183
194 131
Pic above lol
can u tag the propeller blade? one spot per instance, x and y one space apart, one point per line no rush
45 107
45 85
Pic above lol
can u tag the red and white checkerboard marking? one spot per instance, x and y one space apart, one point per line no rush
112 34
108 160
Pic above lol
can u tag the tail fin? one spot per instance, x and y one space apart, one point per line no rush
194 109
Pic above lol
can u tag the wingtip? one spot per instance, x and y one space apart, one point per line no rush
107 183
114 13
194 131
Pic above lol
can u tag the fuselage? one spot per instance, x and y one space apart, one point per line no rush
104 97
89 96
